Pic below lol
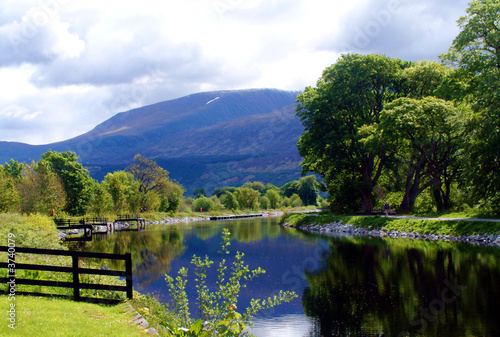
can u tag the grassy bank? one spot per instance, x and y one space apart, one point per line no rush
439 227
37 316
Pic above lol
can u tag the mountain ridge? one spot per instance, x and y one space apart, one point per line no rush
202 139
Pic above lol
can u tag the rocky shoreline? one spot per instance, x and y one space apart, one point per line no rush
173 221
338 229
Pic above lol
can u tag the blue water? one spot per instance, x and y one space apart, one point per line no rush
346 286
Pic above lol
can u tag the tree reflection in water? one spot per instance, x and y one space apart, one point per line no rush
152 252
405 288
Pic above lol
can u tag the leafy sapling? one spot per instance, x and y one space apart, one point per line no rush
217 307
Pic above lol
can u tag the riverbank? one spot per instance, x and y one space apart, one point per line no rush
480 231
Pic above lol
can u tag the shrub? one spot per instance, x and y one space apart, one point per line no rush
218 307
203 204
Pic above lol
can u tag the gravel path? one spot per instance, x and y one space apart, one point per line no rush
441 219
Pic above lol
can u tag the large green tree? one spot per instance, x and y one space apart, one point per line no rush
171 195
154 183
350 94
476 53
124 190
41 190
150 176
425 134
274 198
248 198
14 168
78 184
428 136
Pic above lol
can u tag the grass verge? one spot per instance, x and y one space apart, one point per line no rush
38 316
439 227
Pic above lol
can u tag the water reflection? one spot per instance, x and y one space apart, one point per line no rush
405 288
347 286
152 252
289 326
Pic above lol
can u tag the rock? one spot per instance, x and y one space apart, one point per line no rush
338 228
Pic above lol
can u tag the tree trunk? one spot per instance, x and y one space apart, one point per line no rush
412 191
436 192
366 201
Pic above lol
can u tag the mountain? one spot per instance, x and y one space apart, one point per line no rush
206 140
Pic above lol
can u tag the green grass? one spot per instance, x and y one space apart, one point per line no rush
470 213
36 231
37 316
39 231
444 227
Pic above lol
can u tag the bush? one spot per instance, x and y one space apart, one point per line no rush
295 201
203 204
218 206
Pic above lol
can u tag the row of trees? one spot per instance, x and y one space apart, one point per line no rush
256 195
59 182
378 128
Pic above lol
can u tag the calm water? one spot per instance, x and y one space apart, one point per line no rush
346 286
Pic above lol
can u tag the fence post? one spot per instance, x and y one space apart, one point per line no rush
76 277
128 269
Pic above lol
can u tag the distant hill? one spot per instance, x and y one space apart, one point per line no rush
206 140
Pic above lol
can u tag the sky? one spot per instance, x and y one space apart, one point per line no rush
68 65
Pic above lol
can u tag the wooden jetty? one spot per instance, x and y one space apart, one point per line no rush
127 218
68 224
98 223
92 226
232 217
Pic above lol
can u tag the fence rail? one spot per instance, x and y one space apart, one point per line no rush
75 270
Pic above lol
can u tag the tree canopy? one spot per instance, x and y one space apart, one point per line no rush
350 94
475 52
379 128
76 180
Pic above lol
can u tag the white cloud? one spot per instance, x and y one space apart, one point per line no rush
68 65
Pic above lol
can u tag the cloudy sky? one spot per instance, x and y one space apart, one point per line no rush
67 65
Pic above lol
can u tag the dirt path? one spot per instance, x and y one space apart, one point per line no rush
441 219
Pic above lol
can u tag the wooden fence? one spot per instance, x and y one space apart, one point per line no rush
75 270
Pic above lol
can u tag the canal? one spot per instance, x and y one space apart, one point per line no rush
346 286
